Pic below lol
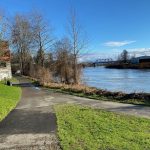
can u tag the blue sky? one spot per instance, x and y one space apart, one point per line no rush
111 25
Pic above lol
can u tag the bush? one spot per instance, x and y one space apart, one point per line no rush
43 75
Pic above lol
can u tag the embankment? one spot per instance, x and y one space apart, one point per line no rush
98 94
127 66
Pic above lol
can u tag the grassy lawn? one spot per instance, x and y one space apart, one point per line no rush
83 128
9 97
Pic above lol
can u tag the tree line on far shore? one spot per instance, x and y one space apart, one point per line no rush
37 53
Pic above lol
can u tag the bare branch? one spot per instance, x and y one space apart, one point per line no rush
77 40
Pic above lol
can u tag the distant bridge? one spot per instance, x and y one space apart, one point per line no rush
103 61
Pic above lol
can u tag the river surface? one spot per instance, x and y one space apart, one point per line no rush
125 80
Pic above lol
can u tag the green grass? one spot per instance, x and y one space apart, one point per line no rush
13 79
9 97
83 128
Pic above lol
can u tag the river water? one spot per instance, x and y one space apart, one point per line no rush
125 80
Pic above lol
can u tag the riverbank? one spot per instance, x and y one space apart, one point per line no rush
98 94
128 66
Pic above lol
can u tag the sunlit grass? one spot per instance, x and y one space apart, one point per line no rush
9 97
83 128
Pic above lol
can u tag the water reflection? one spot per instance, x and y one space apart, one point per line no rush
126 80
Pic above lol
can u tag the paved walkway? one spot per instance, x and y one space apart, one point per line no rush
32 125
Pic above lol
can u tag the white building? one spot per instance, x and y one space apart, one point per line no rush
141 59
5 65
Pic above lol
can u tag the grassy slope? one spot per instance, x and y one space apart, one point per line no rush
9 97
82 128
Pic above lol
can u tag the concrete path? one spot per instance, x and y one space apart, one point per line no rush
32 125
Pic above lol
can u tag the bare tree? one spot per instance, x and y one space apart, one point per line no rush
124 56
78 42
22 39
42 36
49 60
64 62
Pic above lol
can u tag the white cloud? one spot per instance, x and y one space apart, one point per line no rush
118 43
139 52
113 54
94 56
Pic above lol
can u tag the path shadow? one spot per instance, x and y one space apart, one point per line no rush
27 121
23 84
